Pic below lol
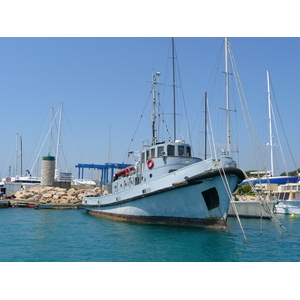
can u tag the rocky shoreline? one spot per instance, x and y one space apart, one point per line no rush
56 195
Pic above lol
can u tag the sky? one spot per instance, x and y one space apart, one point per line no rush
96 65
95 57
102 85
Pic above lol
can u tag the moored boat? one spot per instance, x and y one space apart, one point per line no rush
288 197
168 185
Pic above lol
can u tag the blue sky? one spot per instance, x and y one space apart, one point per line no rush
95 58
101 83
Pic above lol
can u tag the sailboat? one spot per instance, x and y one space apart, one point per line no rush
269 177
167 185
11 184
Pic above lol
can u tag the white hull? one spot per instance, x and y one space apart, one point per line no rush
184 197
288 207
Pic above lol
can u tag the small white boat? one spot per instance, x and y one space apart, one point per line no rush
288 197
167 185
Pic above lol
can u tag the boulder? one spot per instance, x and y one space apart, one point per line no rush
57 194
46 196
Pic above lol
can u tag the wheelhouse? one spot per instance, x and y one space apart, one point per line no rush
177 149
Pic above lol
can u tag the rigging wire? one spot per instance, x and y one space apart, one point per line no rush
229 194
73 135
126 154
244 106
277 109
37 157
184 105
9 155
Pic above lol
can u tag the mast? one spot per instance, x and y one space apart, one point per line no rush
153 108
108 158
21 154
205 128
270 123
174 89
17 155
51 122
58 140
153 115
227 98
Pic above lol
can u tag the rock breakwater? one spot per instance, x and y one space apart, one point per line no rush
56 194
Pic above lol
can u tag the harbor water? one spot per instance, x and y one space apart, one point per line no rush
33 235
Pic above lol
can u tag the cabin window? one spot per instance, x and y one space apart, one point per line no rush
160 150
171 150
180 150
152 152
284 196
143 157
188 151
147 154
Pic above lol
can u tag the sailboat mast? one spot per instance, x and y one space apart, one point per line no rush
51 122
109 134
270 123
58 140
205 129
21 154
174 87
227 98
17 155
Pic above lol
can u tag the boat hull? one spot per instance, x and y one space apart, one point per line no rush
273 180
214 223
200 200
288 207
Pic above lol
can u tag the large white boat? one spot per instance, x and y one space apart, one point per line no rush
167 185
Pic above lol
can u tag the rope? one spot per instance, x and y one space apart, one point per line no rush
227 187
265 206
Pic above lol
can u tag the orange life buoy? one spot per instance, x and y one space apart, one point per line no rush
150 163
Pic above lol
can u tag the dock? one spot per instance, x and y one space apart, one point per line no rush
39 205
4 203
250 209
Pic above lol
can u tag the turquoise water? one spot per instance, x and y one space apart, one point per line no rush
31 235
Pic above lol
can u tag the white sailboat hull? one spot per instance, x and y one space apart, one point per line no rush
288 207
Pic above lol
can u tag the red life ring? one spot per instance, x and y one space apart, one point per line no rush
150 163
8 179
